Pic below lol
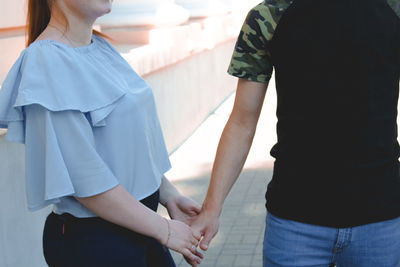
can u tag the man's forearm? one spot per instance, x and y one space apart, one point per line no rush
231 155
233 148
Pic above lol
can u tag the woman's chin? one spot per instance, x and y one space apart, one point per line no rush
107 11
104 11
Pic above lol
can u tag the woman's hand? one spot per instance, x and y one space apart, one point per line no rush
183 209
181 238
179 207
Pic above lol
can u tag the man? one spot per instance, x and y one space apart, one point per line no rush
334 197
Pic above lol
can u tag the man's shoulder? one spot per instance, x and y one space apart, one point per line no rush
271 8
266 15
278 3
395 5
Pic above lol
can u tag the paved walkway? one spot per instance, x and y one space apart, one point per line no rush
239 241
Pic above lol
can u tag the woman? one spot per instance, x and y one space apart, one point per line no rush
94 146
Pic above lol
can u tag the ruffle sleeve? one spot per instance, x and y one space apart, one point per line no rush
51 75
61 157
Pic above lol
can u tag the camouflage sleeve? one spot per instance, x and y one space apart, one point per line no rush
395 5
251 59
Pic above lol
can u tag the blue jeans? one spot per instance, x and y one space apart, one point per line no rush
290 243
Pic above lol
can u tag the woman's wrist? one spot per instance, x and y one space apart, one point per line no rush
160 229
168 232
168 192
169 197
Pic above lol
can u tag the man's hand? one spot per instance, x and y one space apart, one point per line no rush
207 223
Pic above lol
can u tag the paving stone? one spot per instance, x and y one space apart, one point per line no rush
226 260
243 260
250 239
257 262
235 239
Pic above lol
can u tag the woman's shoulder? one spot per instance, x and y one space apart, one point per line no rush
51 68
42 57
59 78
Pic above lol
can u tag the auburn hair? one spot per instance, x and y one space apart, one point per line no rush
38 17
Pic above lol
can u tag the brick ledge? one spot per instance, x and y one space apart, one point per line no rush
163 47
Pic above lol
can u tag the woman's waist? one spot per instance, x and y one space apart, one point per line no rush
71 208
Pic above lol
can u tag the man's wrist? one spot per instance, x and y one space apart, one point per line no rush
212 208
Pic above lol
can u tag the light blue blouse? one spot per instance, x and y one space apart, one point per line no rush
88 122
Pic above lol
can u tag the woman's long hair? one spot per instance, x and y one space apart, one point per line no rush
38 17
39 12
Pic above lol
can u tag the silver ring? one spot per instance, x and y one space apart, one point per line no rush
193 247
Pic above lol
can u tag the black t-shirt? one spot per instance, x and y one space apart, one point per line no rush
337 69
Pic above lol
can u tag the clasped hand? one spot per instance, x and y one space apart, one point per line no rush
203 225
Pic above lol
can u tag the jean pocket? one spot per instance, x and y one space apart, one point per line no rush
272 219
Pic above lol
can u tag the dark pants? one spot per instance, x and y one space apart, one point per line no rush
84 242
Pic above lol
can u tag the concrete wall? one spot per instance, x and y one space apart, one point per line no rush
12 13
20 230
187 92
12 21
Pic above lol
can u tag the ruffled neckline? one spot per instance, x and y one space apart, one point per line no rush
81 49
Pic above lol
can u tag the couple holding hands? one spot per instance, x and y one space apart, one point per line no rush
95 150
